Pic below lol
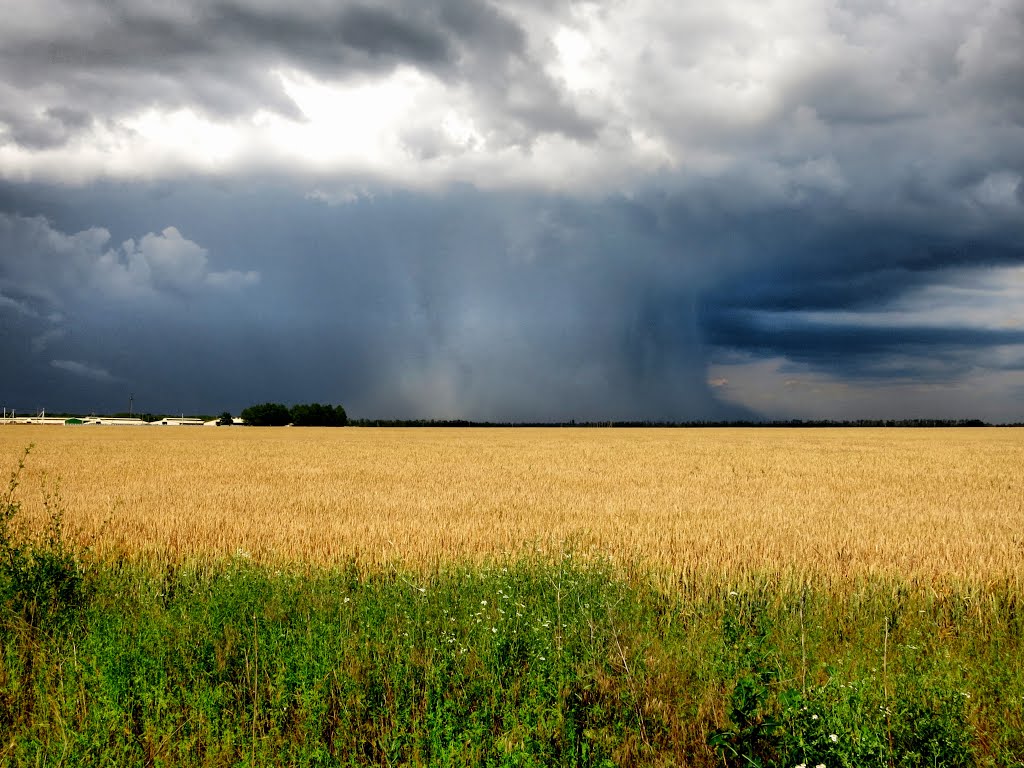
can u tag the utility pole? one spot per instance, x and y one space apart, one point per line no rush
131 404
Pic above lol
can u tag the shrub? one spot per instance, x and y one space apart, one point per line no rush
41 575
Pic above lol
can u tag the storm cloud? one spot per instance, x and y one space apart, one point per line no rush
516 210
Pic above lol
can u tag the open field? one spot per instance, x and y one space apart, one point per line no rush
828 504
755 598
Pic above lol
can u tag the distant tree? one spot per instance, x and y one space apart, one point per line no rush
317 415
266 415
225 420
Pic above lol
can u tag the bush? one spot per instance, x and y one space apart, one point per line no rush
41 576
912 718
853 723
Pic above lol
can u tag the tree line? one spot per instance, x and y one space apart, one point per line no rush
795 423
300 415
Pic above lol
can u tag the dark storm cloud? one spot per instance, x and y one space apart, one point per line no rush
838 188
853 351
478 305
872 295
854 267
469 305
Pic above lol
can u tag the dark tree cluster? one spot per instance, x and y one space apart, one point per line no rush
301 415
317 415
266 415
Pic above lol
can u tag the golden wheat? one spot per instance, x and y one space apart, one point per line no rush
921 504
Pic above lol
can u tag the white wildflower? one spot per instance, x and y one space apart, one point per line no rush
834 738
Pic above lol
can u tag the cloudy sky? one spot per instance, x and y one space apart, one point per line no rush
515 209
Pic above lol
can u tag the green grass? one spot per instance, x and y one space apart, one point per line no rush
521 663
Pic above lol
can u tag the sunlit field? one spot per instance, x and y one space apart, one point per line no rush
512 597
826 504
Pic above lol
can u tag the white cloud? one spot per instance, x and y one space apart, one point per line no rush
164 260
826 97
53 266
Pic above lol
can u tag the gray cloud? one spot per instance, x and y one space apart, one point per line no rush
46 338
467 306
47 266
17 306
54 127
514 306
85 370
827 191
76 296
66 62
891 107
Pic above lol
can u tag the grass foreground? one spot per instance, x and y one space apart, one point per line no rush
516 664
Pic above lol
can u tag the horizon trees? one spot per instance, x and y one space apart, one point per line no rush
299 415
317 415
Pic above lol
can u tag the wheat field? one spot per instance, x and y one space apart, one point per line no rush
826 504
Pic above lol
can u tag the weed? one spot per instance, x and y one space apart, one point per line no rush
41 576
750 738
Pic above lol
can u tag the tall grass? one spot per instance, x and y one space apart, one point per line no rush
520 662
